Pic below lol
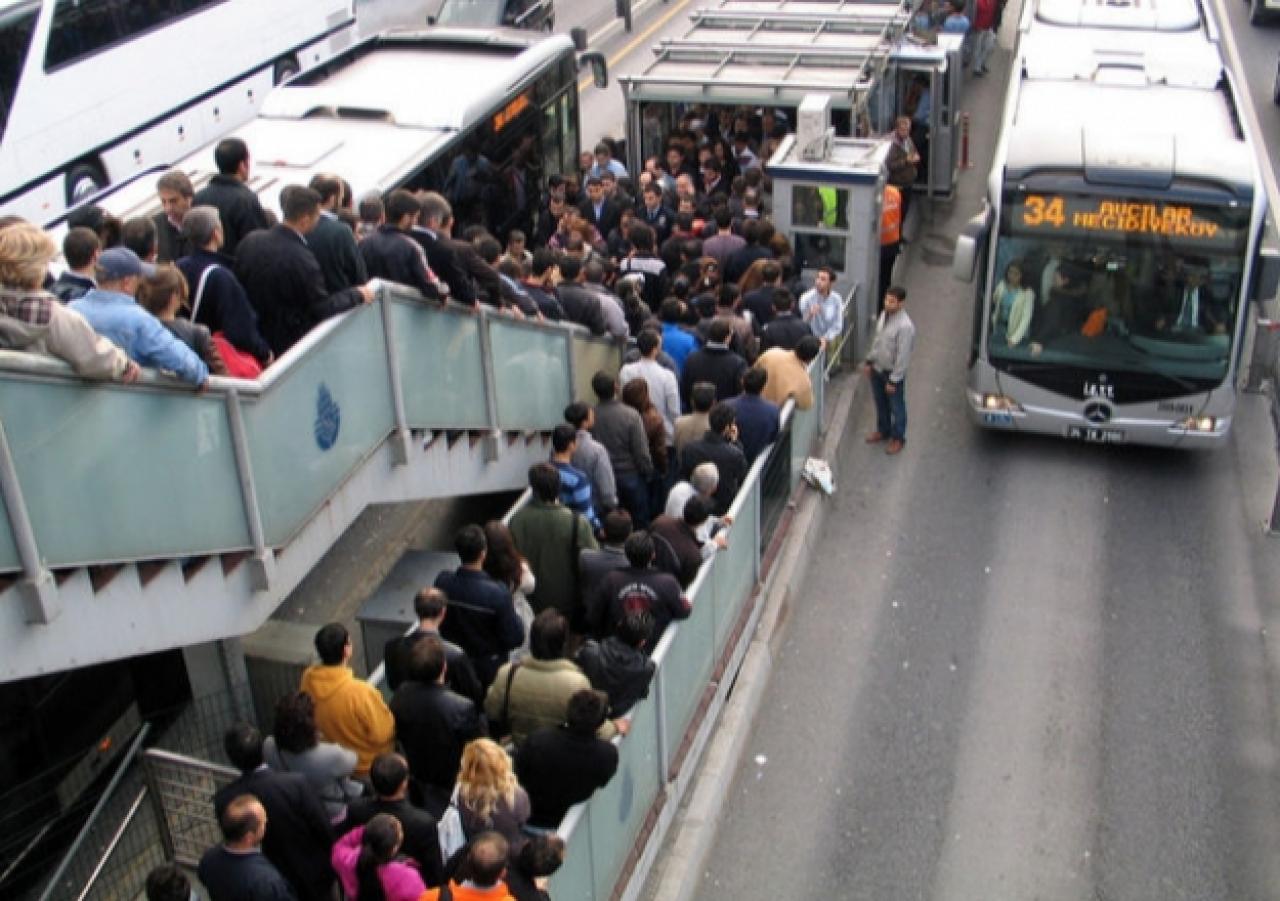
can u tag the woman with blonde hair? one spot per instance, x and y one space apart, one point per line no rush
489 798
32 319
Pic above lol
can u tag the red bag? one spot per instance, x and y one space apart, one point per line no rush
240 365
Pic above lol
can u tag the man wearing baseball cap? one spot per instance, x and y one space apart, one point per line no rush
112 311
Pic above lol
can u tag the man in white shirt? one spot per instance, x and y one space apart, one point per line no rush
664 390
823 308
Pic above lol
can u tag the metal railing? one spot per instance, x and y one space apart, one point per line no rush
1263 377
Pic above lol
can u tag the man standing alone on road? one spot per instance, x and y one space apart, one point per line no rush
886 367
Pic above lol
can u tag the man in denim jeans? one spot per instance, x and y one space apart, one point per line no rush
886 367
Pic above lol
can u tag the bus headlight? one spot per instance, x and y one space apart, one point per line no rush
999 403
1198 424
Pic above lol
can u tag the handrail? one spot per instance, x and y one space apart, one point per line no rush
110 790
112 844
850 329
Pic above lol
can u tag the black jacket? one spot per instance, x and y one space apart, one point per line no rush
445 264
730 462
433 724
70 286
583 306
559 768
298 837
741 259
170 245
483 276
607 221
238 207
784 331
620 671
242 877
482 619
334 245
595 563
679 551
760 304
714 363
286 287
224 307
547 301
629 590
394 256
460 675
421 837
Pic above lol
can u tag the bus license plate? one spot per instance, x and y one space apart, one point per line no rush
1095 436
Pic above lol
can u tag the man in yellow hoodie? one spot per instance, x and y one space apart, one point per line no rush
349 711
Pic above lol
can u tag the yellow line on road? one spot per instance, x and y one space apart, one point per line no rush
639 39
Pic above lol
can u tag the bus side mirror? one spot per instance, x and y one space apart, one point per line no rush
579 36
964 263
599 68
1266 265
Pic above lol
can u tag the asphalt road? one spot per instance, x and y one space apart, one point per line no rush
1021 668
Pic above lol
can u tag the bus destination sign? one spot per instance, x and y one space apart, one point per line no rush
1076 215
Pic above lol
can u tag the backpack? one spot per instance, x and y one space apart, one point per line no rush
451 834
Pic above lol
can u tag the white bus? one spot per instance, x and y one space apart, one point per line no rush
1121 234
95 91
400 110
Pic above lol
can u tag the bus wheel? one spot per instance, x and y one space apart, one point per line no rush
286 68
83 181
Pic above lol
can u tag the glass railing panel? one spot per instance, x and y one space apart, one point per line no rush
735 568
592 355
9 559
440 366
314 425
619 809
116 473
687 666
575 880
531 374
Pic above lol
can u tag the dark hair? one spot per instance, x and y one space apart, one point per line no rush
488 248
177 181
426 660
576 413
372 209
635 394
639 549
295 730
696 511
429 603
548 634
641 237
782 300
240 818
754 380
617 526
808 348
139 235
751 231
723 217
594 180
331 642
243 744
327 186
470 543
718 332
586 711
544 479
901 293
541 855
604 385
727 295
401 203
702 396
229 154
378 845
634 628
387 773
562 436
503 561
297 201
648 341
543 259
167 882
722 416
79 246
670 311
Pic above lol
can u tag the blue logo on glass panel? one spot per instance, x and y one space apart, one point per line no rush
627 796
328 418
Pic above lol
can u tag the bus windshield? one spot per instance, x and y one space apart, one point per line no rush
1117 284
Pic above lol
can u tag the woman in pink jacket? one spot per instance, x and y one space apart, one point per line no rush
365 861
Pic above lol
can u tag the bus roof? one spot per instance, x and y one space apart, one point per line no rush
1183 58
400 78
1125 15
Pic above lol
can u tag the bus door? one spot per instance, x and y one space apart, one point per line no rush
926 87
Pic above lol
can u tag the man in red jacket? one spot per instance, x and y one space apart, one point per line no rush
984 34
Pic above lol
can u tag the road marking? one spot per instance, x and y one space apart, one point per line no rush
637 40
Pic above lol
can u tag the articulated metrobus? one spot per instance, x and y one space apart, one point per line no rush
1121 232
95 91
482 115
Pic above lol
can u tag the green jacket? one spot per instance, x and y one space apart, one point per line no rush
540 693
544 534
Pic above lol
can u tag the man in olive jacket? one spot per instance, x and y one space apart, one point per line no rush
550 536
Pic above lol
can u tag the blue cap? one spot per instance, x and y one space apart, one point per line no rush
116 263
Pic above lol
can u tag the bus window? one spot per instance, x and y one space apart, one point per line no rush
83 27
16 27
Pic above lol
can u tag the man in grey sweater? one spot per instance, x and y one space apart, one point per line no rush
620 429
886 367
